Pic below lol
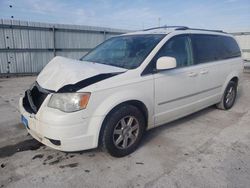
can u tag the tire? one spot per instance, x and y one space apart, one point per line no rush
229 96
123 130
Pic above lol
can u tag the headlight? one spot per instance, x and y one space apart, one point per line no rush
69 102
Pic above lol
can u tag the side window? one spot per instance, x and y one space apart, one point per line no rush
205 48
231 48
179 48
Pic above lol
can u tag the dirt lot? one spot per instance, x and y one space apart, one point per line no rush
210 148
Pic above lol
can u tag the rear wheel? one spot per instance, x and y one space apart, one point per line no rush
229 96
123 131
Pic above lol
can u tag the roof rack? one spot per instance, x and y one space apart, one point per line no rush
183 28
166 27
220 31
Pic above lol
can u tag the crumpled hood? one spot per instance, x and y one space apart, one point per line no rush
61 71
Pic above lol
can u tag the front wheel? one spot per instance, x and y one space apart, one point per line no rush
123 131
229 96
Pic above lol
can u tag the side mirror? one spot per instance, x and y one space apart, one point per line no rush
165 62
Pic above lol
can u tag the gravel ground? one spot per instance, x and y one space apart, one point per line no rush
210 148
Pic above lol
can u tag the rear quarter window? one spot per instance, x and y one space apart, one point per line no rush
229 46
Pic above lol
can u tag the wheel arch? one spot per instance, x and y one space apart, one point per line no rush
234 76
235 79
137 103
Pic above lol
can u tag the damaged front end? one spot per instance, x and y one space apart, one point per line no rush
34 98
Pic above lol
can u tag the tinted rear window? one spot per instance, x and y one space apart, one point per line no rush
231 47
208 48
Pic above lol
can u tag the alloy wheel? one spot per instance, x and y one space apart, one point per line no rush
126 132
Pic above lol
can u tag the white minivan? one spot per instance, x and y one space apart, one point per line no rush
128 84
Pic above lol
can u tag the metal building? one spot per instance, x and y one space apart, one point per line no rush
26 47
244 40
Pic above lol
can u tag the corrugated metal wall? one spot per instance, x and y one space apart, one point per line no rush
244 40
26 47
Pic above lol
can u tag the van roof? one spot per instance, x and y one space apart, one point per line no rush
169 29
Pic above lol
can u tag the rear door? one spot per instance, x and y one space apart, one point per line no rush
211 56
206 52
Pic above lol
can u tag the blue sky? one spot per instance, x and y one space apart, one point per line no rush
229 15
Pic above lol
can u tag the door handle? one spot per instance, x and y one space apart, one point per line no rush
204 72
192 74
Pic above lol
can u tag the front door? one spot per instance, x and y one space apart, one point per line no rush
175 89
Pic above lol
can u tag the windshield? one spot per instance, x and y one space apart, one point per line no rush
124 51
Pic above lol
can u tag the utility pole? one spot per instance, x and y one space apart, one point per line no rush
159 22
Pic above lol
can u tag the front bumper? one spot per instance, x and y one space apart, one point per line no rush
73 132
